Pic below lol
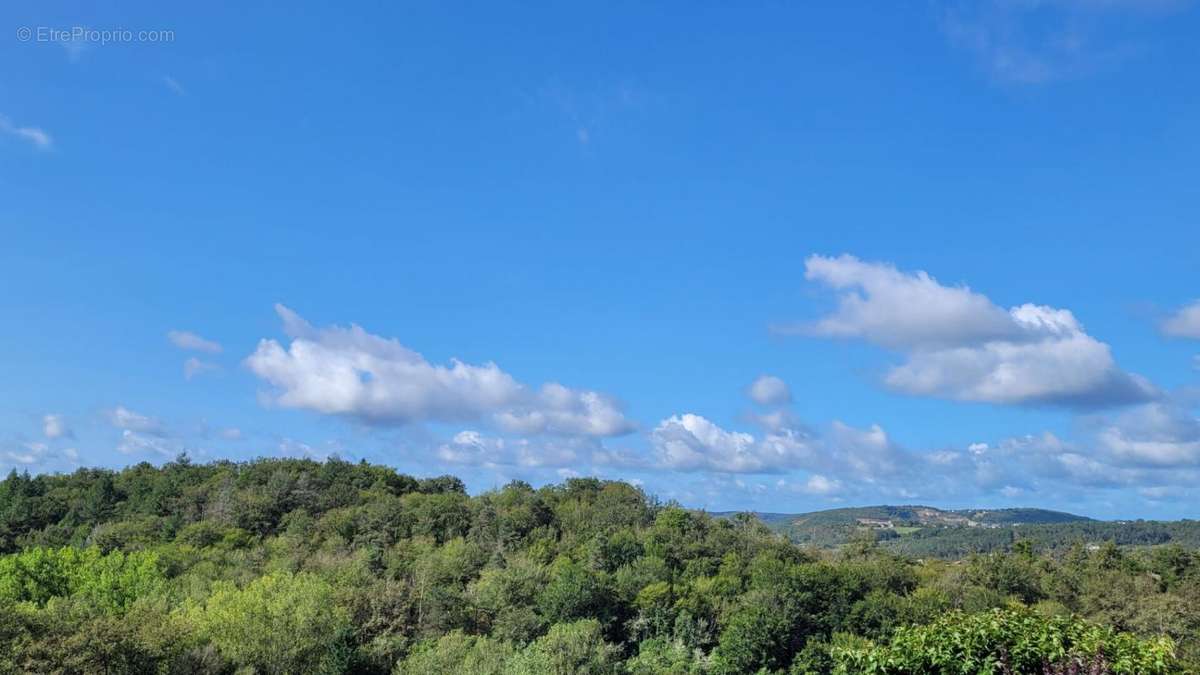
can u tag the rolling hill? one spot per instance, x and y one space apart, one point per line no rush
926 531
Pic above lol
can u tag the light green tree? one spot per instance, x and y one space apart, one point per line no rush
278 623
569 649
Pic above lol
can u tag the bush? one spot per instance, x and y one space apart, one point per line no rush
1008 641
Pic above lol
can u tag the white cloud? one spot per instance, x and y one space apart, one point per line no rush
28 455
691 442
960 345
34 135
145 443
1155 434
881 304
193 342
55 426
474 448
777 420
821 485
865 453
558 409
231 434
769 390
1184 323
350 372
1154 444
124 418
1145 447
194 366
38 457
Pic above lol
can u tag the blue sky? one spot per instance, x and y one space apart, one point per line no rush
960 241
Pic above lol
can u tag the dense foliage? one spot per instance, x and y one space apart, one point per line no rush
284 566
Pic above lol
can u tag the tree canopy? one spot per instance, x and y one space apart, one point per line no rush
283 566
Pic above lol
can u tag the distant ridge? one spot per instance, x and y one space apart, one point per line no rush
928 515
926 531
915 514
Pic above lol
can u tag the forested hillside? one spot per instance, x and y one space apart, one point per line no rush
288 566
922 531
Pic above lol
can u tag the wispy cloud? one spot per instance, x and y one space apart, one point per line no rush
33 135
1031 42
173 84
128 420
193 342
194 366
590 109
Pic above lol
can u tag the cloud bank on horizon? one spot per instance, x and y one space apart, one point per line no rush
951 342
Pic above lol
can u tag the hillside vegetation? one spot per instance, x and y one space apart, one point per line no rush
295 566
923 531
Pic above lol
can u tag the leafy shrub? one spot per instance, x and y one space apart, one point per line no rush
1009 641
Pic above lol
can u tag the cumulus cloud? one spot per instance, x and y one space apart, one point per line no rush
960 345
55 426
690 442
1185 323
881 304
33 135
377 380
1148 447
769 390
777 420
1145 447
475 448
190 341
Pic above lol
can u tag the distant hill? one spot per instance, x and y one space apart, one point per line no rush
900 516
925 531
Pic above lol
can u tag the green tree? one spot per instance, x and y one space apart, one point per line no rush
457 653
569 649
278 623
